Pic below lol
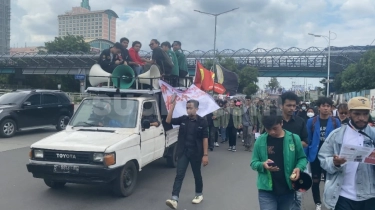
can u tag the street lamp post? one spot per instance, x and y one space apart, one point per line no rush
215 15
329 53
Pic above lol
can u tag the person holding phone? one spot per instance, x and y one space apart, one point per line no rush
278 157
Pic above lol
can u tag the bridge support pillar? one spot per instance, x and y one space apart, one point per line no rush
83 82
19 77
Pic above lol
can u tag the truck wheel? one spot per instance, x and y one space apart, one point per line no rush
126 181
54 184
60 123
172 158
8 128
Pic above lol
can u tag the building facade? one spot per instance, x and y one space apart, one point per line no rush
91 25
4 26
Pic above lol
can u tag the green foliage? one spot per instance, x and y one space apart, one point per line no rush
273 84
68 43
248 77
359 76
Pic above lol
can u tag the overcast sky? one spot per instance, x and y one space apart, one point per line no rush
258 23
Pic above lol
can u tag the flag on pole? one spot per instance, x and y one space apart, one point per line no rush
228 79
204 79
206 103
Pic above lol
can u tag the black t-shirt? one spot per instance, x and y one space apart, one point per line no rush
297 126
275 153
323 128
230 123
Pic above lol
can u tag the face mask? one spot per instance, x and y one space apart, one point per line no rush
310 114
303 108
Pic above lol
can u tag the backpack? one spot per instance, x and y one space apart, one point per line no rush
316 118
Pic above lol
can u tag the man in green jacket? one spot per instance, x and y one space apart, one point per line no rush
182 62
278 157
166 46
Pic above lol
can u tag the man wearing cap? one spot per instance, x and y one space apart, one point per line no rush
350 185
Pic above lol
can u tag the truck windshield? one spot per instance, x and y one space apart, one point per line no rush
110 113
12 98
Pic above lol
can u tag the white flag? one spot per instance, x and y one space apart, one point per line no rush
206 103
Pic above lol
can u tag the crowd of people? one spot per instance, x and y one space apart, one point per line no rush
169 58
293 139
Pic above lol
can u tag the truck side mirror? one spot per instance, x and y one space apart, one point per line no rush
146 124
26 103
66 120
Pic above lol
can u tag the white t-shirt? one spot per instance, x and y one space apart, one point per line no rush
348 190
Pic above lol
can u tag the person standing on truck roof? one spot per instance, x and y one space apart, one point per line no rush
192 147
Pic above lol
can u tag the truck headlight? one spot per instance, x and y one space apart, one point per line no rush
98 157
38 153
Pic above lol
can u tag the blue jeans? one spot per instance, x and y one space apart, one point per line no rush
297 201
269 201
138 70
223 132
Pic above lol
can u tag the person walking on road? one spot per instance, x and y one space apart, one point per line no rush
234 123
192 147
350 185
278 157
247 125
318 129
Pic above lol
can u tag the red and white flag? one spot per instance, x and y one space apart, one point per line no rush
206 103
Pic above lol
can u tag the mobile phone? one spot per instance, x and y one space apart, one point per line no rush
271 164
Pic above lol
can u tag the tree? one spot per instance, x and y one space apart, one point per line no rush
248 77
68 43
273 84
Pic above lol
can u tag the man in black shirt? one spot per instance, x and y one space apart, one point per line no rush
192 147
296 125
160 58
109 58
126 59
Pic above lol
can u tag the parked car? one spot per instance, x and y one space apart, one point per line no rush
33 109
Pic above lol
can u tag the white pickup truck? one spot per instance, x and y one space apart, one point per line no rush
108 140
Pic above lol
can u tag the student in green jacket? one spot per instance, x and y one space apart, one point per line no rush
278 157
166 46
182 62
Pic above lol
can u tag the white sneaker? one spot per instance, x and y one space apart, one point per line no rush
230 149
318 206
216 144
197 199
171 203
243 141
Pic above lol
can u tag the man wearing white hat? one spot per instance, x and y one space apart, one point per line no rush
349 185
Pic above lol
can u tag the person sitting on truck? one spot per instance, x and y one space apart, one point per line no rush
149 114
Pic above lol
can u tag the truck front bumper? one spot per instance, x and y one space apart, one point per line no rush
85 174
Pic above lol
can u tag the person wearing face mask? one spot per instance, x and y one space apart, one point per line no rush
310 113
303 112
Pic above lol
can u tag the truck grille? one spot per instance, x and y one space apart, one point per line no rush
68 156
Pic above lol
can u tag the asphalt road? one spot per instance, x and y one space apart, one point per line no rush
229 184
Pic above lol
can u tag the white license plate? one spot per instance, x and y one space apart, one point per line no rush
67 169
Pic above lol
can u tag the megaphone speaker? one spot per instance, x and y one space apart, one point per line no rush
125 75
154 74
97 75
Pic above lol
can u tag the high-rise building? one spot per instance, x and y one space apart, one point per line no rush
4 26
91 25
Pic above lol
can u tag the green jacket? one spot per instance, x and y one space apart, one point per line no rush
294 157
182 63
216 121
175 69
225 115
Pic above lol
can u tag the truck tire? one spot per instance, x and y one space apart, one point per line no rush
125 183
8 128
172 158
54 184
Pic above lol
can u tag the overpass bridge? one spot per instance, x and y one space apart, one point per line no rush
277 62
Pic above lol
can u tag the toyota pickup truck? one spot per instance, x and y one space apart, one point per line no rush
108 140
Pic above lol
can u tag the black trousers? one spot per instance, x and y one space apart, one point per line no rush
347 204
232 136
316 172
212 137
182 164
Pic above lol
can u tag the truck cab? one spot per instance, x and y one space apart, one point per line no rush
109 139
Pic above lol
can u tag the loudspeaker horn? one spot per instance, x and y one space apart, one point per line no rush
153 73
97 75
126 75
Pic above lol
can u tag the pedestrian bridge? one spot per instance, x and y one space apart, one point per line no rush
277 62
